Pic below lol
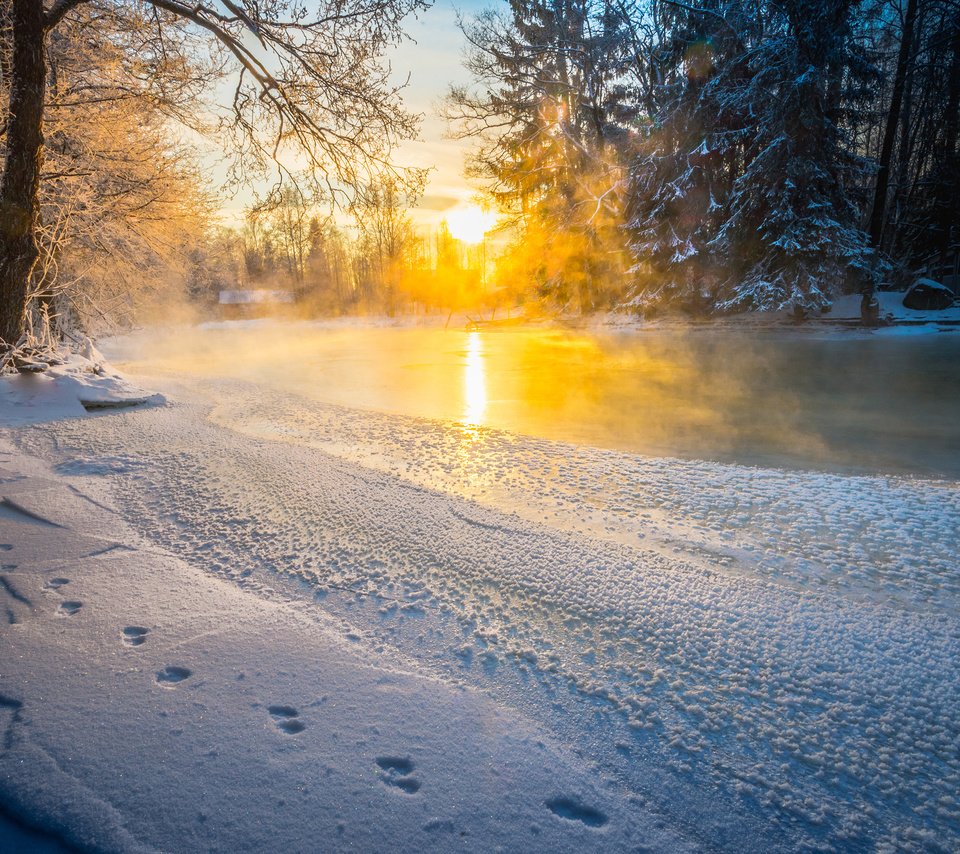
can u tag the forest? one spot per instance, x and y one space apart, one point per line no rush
720 157
639 155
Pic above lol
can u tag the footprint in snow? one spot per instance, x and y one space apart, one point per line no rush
285 717
396 771
69 608
571 809
135 635
57 583
170 676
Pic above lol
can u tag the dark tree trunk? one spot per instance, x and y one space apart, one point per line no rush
21 171
890 131
948 186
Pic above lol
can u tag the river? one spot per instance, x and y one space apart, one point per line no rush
849 402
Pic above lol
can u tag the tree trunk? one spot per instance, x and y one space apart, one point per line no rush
21 172
890 131
898 204
946 195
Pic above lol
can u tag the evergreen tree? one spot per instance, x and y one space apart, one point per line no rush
741 201
552 115
681 177
791 232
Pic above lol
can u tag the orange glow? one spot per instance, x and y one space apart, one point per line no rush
471 224
474 382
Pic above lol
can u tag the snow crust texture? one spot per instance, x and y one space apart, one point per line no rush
761 659
167 710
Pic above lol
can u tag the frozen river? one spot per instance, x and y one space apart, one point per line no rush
846 401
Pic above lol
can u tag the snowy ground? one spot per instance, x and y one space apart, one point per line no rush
489 640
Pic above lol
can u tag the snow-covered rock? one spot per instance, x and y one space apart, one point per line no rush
928 295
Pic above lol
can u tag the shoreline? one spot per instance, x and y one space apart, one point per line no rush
843 316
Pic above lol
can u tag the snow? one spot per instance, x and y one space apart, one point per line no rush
85 381
490 640
843 313
147 705
891 304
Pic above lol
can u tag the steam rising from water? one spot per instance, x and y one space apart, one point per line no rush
852 403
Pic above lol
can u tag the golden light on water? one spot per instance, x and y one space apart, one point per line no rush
470 224
474 382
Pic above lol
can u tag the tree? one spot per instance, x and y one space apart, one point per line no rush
328 284
903 120
740 200
287 214
792 231
552 113
386 238
317 83
681 176
121 201
928 229
892 125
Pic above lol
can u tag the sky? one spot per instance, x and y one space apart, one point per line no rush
433 60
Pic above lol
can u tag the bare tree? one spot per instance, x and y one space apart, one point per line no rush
314 83
289 214
879 206
386 238
121 199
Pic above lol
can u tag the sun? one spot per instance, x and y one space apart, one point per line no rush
470 224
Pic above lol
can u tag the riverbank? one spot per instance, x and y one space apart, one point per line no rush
148 706
843 316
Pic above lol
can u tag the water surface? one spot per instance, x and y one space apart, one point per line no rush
849 402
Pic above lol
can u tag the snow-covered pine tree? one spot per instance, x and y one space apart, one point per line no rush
791 237
680 179
741 202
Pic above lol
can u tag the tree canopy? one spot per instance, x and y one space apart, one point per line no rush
275 83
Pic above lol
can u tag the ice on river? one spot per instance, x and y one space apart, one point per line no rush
717 656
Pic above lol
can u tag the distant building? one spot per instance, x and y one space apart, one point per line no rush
252 303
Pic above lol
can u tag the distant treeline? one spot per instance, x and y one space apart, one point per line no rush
377 263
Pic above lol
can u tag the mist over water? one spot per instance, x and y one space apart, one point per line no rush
866 403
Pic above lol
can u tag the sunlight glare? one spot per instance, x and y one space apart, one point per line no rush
474 382
470 224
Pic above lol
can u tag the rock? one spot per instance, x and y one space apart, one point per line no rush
928 295
27 365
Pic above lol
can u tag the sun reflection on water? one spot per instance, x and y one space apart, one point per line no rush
474 382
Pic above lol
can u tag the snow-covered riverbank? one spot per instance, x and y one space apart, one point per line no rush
529 643
150 706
